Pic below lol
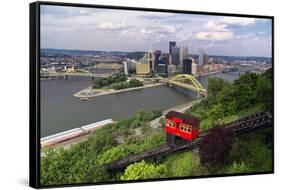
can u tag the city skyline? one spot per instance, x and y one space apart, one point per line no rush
122 30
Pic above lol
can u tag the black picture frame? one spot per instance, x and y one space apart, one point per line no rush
34 88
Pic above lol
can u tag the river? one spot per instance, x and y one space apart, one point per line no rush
61 111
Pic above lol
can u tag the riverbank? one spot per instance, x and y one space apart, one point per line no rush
210 73
183 107
89 92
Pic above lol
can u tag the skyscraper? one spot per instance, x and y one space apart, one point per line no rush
187 66
175 55
201 57
163 62
171 45
183 54
206 59
151 59
164 59
157 54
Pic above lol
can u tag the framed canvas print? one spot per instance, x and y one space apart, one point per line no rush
125 94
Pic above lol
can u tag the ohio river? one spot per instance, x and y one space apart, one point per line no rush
61 111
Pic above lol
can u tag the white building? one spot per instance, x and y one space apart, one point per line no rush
125 66
172 69
194 68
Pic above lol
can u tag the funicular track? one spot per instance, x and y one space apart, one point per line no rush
240 126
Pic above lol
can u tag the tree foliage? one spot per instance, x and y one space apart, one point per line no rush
143 170
251 92
264 90
82 162
254 150
182 164
215 147
132 83
102 82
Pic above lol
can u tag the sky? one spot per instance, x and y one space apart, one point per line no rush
122 30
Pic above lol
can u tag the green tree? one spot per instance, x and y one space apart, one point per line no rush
98 174
215 112
215 85
264 90
254 151
112 154
206 124
162 122
102 82
182 164
244 88
142 170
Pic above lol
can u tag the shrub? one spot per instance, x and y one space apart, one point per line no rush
215 147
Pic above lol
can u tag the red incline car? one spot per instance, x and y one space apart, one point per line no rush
181 125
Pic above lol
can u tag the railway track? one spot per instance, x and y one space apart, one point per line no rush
240 126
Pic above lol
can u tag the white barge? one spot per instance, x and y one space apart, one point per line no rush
92 127
73 133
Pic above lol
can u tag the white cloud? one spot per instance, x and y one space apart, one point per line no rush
215 26
183 35
169 29
238 21
224 23
146 31
112 25
214 35
221 30
159 30
151 34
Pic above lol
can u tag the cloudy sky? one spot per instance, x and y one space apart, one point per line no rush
121 30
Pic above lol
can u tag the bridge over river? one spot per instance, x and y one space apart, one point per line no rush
181 80
185 81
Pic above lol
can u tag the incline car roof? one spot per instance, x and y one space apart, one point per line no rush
182 116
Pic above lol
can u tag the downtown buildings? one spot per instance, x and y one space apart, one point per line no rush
176 61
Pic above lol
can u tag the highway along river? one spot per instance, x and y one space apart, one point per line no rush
61 111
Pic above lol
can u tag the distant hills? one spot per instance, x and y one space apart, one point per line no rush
133 55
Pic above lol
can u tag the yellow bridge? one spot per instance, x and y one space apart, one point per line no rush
185 81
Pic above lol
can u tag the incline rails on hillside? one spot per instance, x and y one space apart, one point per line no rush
240 126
